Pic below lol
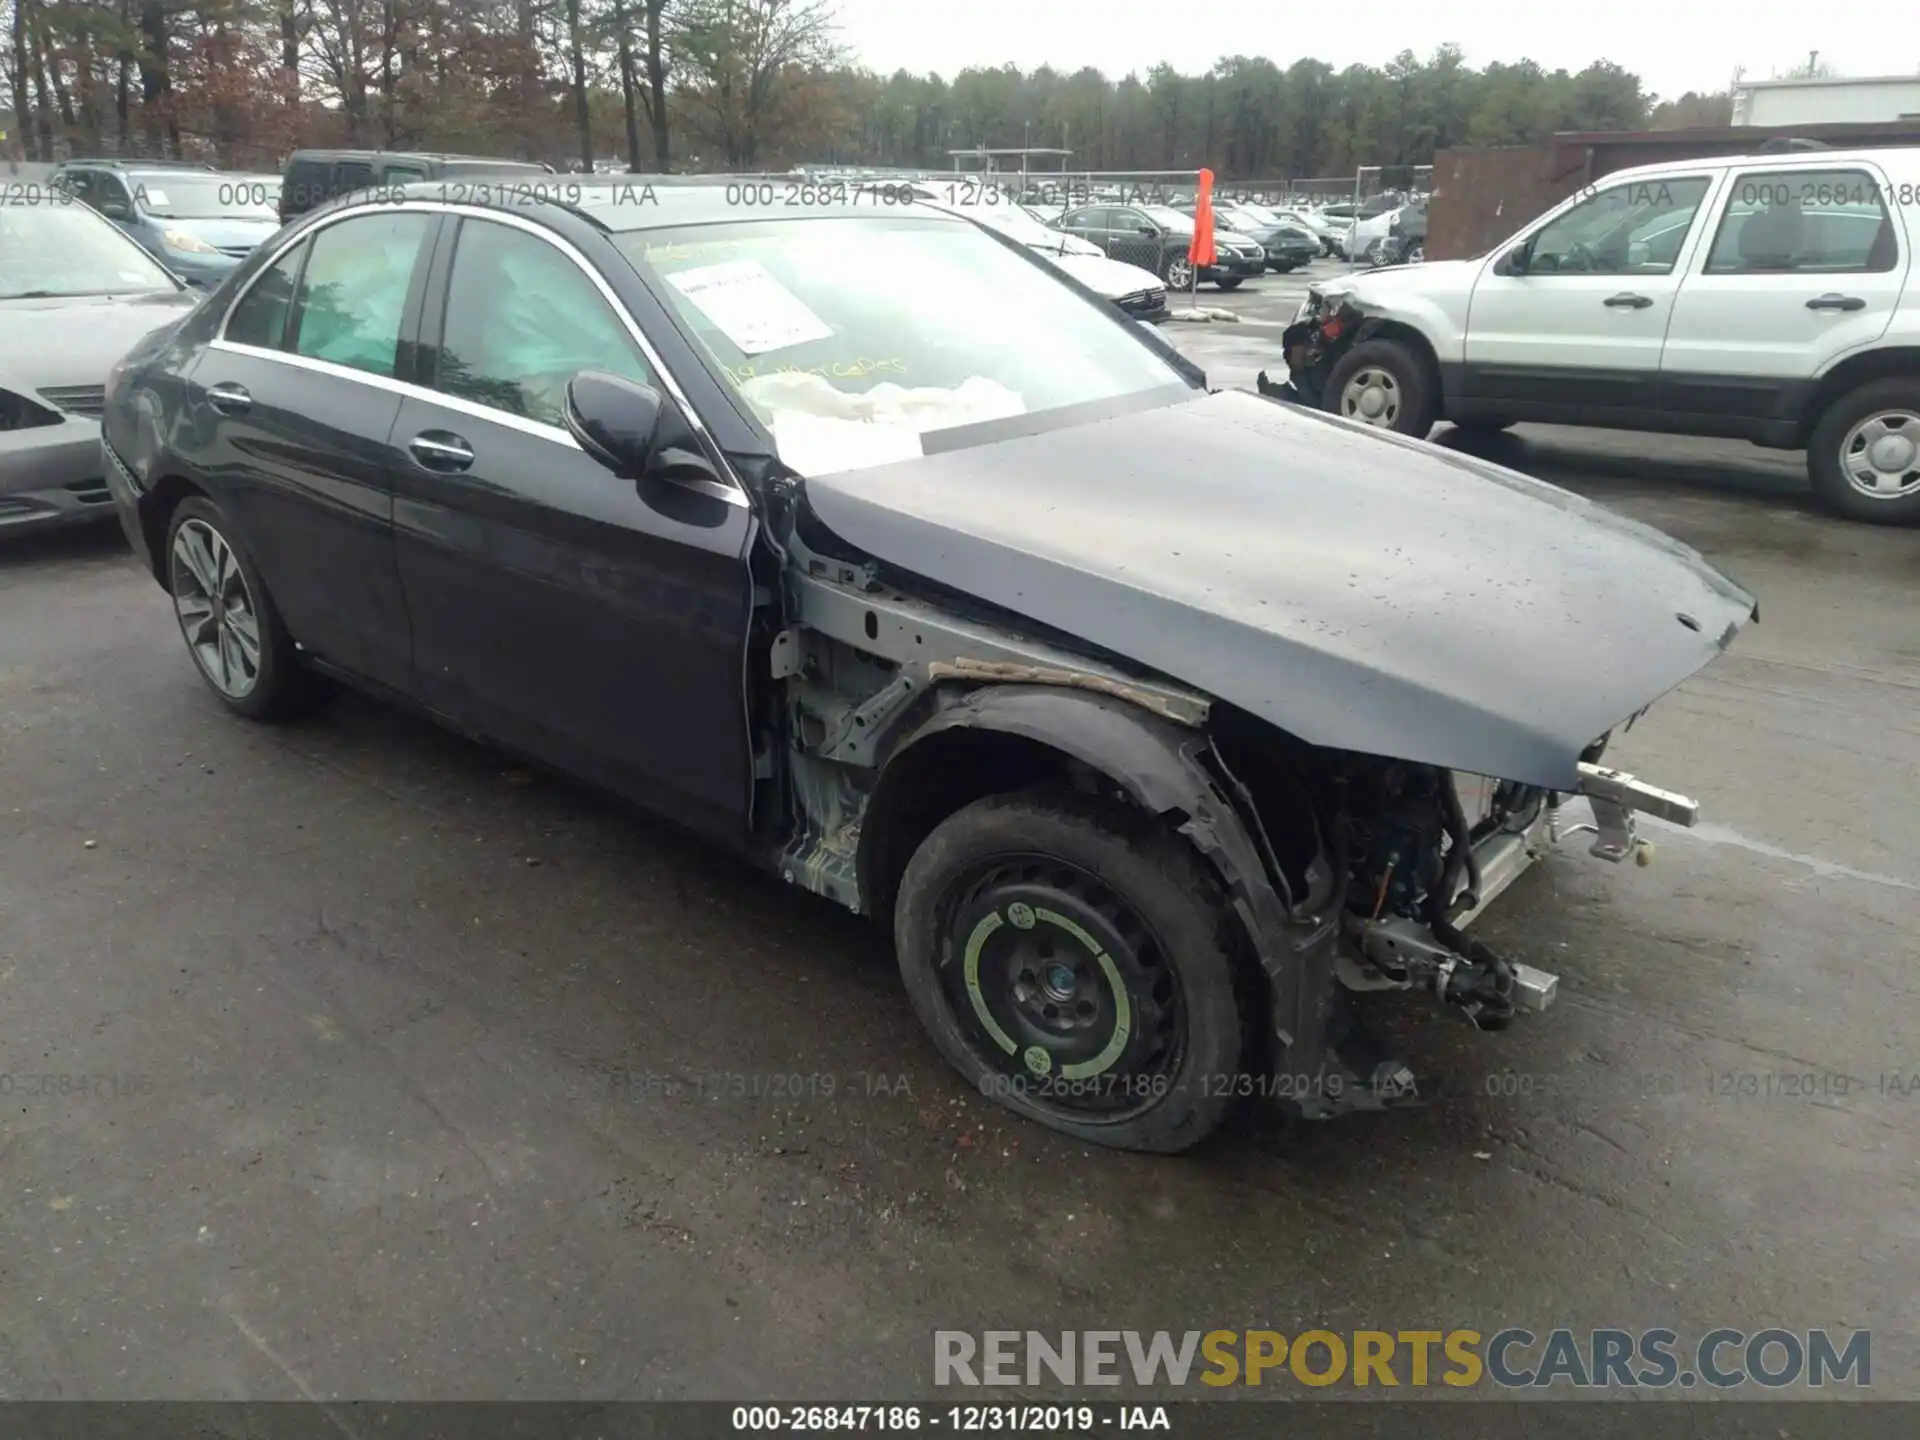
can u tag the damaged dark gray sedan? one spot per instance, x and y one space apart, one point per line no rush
1153 722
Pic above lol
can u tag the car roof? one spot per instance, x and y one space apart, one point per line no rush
329 154
1777 159
122 163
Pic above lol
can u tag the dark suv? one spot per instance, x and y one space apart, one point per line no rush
317 176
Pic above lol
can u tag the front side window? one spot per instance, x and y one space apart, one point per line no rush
261 318
853 339
1821 221
1634 228
108 190
354 292
522 319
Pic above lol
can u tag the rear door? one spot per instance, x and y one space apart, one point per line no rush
1089 222
1805 266
298 395
1133 237
1576 336
594 622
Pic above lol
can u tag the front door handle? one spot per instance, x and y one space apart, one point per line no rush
441 450
1626 301
229 399
1837 302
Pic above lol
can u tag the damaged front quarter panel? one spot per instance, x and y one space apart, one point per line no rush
889 702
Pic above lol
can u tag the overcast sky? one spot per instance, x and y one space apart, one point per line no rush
1673 47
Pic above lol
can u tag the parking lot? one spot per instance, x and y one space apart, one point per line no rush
398 1071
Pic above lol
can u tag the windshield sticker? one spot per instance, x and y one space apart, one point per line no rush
752 309
153 199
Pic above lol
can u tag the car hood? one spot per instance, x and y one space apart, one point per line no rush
1359 590
74 340
1432 273
223 233
1110 278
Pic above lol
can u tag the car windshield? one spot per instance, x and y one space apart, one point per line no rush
852 339
1168 218
58 246
1259 214
205 197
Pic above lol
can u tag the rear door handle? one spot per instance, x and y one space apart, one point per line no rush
1837 302
1625 301
229 399
441 450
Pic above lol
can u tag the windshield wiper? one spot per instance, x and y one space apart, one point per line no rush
33 295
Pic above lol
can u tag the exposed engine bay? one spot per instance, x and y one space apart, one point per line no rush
1350 873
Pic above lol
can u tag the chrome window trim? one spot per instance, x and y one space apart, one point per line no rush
733 492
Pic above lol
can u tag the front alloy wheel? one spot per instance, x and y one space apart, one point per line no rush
1179 274
216 609
1071 959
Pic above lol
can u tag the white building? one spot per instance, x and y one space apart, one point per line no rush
1826 102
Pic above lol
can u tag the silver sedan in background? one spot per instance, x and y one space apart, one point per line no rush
75 294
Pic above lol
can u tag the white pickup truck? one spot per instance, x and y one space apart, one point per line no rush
1764 297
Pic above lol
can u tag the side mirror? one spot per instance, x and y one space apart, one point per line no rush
625 427
1149 229
116 209
1519 258
614 420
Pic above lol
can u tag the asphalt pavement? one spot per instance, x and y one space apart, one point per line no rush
394 1071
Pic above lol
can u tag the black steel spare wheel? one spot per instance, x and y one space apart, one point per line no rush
1073 961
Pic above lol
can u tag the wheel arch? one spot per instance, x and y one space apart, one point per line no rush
1156 766
164 497
1006 737
1885 363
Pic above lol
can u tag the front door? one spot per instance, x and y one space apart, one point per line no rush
298 394
1575 336
590 621
1806 266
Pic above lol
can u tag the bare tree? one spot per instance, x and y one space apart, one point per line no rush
748 64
